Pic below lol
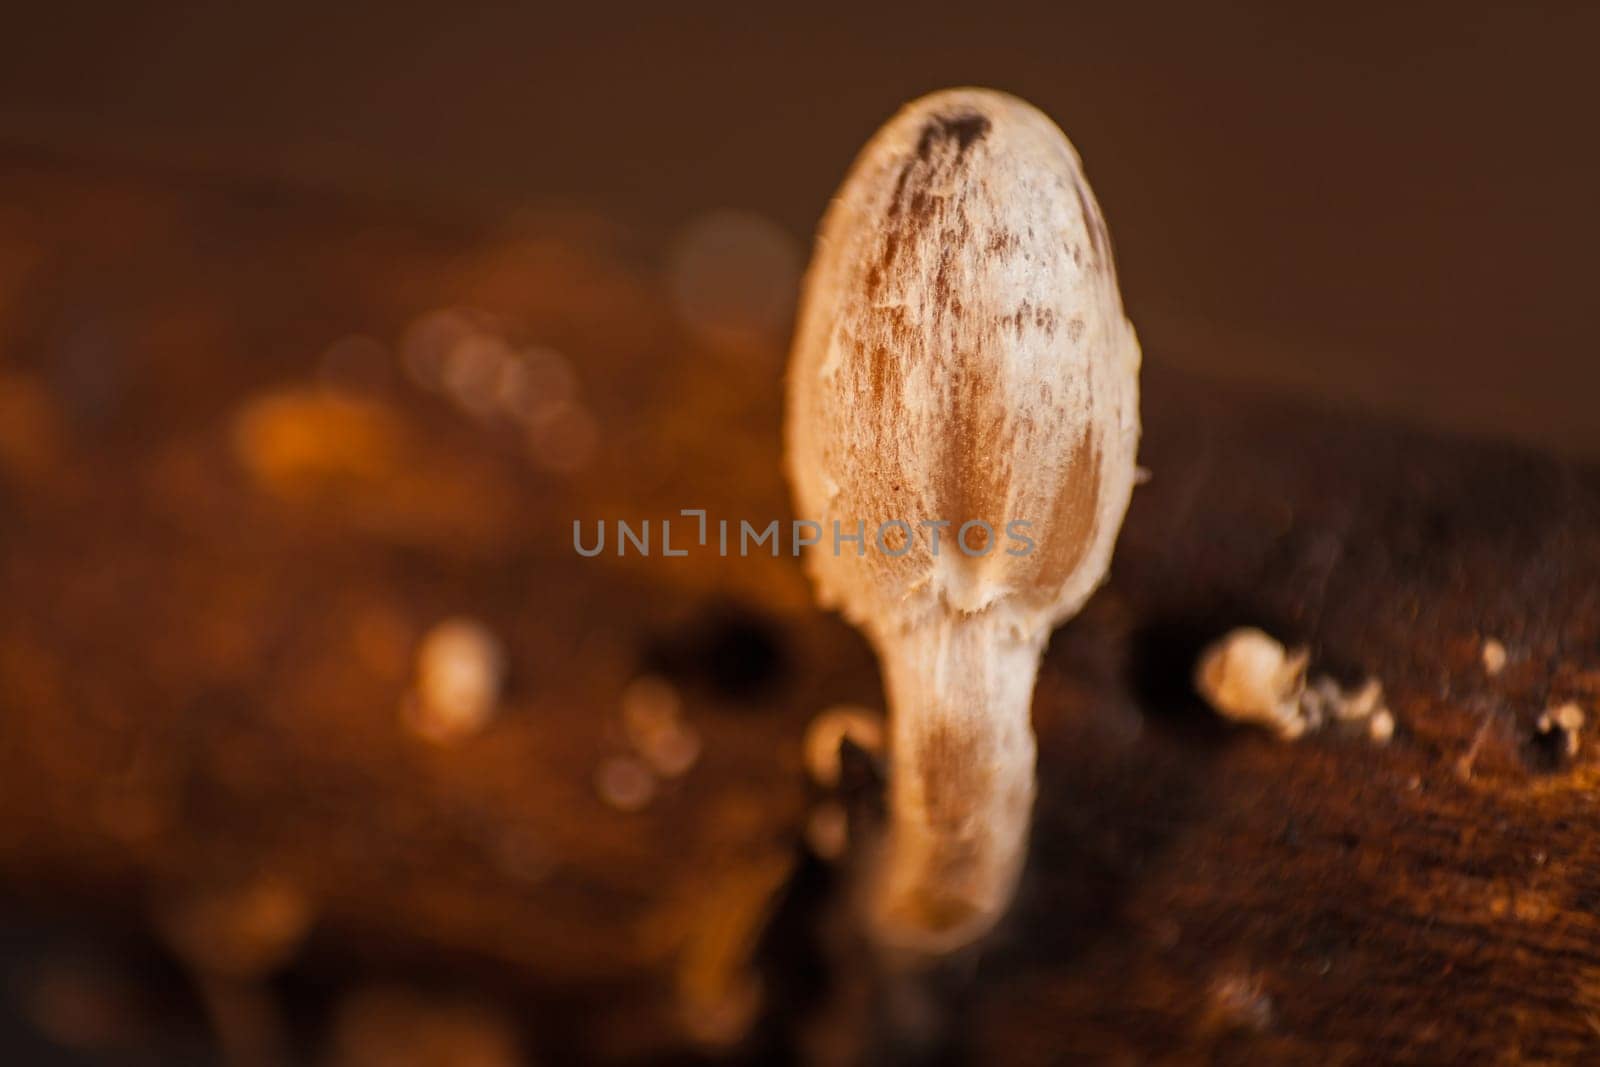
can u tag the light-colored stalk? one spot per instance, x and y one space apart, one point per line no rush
961 782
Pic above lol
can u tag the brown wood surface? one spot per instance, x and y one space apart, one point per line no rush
204 654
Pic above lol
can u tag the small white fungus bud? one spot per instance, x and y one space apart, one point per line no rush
1247 676
828 730
1494 657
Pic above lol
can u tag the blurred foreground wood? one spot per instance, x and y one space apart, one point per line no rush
240 477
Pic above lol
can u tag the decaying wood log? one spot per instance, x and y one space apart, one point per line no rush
216 568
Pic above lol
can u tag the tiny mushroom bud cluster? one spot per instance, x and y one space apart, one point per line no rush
962 363
1248 676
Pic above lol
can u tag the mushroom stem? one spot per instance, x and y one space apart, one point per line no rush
961 774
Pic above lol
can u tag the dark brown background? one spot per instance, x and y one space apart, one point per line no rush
1391 206
1384 210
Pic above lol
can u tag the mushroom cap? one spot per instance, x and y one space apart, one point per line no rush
962 356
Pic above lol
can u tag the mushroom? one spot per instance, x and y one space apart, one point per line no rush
962 376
